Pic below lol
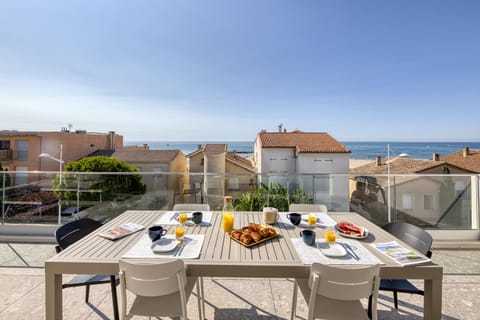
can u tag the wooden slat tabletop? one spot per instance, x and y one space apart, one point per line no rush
219 252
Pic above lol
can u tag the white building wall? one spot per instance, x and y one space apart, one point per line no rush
321 181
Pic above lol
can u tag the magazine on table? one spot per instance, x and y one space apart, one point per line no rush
400 254
121 231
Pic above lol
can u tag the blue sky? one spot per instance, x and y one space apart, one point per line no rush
224 70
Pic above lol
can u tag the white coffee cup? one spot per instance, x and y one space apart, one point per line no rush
270 215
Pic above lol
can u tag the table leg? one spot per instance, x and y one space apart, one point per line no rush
53 295
432 301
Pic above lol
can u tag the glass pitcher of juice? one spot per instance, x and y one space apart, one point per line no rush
227 217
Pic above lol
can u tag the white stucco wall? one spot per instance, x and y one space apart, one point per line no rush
328 189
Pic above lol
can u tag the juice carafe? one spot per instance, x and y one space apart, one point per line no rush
227 217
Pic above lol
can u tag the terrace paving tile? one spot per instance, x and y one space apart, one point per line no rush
22 291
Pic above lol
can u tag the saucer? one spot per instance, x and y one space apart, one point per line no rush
332 249
164 245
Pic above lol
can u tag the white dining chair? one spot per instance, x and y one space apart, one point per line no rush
161 288
191 207
195 207
302 207
334 292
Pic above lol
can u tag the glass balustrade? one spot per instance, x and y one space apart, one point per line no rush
441 202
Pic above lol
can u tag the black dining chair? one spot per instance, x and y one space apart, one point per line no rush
68 234
418 239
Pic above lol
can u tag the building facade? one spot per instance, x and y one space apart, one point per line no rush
20 150
312 157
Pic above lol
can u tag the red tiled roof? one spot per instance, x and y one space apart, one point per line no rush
400 165
146 156
302 141
215 148
241 161
469 162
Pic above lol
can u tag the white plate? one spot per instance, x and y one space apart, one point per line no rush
332 249
164 245
365 234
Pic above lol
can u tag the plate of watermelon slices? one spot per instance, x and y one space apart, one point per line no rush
349 230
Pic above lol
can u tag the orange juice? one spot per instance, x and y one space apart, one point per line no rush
179 232
330 235
312 219
182 217
227 221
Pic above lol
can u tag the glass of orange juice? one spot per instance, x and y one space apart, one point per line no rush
227 221
182 217
330 235
179 232
312 219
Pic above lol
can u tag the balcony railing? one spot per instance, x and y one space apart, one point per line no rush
435 202
6 155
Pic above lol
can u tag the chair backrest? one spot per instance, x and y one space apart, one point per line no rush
301 207
414 236
191 207
344 283
73 231
153 279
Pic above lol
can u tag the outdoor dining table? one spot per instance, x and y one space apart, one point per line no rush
220 256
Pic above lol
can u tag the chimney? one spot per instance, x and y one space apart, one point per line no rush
285 130
435 157
280 127
466 151
111 140
378 161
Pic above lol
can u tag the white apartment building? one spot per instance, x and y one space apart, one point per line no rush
312 157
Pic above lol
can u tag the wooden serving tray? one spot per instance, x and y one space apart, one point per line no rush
254 243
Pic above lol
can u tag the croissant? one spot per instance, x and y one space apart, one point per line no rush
256 236
247 229
236 234
246 238
264 232
254 226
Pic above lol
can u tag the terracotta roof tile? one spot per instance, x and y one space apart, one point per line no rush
400 165
469 162
146 156
302 141
215 148
244 162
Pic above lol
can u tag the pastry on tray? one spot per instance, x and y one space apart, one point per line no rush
253 233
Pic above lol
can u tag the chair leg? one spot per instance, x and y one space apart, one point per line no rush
200 298
87 293
294 300
113 285
203 297
369 312
395 299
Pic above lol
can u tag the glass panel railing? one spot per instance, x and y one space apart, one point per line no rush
430 201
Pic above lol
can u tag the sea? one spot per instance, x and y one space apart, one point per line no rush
358 149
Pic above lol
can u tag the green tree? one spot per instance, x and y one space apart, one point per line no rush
104 186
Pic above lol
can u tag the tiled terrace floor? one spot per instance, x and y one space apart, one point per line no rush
22 291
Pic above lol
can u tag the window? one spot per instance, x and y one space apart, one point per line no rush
428 202
21 178
22 150
407 201
4 144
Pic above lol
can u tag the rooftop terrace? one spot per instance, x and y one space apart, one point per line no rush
22 279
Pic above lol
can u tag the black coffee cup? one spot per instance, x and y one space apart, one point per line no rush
197 217
156 232
308 237
295 218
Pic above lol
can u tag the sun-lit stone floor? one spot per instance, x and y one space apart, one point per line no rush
22 291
